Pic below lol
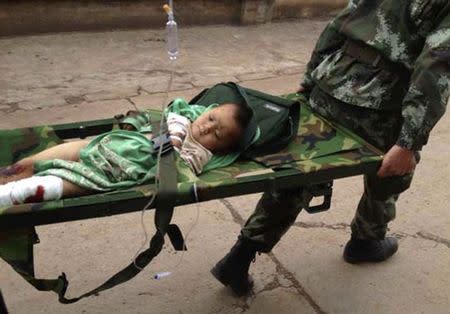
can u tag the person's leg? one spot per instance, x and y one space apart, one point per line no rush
24 168
38 189
375 210
377 205
275 212
73 190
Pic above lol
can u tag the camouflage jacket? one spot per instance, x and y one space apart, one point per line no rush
412 33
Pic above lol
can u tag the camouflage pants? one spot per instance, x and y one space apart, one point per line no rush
276 211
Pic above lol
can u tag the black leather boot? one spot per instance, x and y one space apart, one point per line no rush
232 270
372 251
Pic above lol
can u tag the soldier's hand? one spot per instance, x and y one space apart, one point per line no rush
398 161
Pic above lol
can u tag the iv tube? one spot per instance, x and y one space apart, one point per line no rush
172 50
171 33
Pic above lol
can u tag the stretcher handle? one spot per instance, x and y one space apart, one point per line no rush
322 189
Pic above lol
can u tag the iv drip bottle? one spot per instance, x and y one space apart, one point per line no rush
172 38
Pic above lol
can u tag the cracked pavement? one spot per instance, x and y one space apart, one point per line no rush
58 78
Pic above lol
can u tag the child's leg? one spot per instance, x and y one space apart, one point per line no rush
38 189
24 168
65 151
72 190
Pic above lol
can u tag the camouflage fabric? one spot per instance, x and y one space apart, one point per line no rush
376 207
16 248
414 34
20 143
320 147
278 209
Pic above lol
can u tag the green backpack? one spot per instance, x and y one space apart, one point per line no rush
276 118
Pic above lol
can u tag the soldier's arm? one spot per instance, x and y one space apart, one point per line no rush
330 40
429 90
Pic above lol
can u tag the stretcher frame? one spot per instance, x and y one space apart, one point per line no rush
121 202
307 162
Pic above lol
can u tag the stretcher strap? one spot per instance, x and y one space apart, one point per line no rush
164 211
16 248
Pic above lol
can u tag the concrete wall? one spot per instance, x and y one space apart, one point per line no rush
40 16
306 8
22 17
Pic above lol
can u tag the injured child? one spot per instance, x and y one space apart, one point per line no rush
204 137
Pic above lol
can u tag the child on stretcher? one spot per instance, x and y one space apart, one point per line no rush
205 138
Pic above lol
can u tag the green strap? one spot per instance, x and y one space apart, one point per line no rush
16 248
165 202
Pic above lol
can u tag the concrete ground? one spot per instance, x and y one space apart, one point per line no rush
80 76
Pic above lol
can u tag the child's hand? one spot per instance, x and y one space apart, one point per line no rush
176 139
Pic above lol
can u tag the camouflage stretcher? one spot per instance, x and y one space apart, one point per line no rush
321 153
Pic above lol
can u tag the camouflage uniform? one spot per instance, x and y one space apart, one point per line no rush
382 104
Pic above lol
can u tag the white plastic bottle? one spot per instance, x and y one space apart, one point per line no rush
172 37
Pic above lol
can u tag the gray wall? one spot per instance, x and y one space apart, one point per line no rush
40 16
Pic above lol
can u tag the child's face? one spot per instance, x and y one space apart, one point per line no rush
217 130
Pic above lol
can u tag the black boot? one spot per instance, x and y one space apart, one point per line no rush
232 270
2 304
361 251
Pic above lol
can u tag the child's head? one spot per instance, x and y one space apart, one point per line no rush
220 130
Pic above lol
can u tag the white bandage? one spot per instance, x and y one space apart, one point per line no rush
5 195
31 190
